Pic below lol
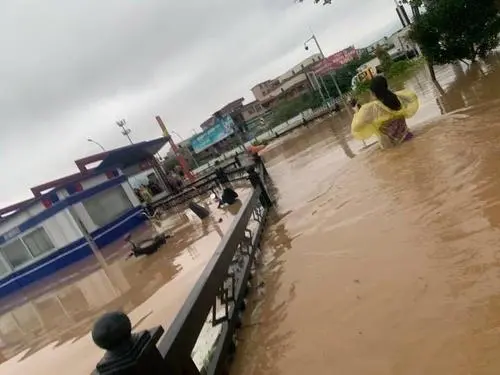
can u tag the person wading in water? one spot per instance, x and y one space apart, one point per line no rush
386 116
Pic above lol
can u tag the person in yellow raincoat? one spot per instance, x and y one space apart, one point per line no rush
386 116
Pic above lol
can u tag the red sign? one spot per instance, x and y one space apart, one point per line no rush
335 61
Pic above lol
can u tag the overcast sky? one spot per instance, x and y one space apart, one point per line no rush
70 69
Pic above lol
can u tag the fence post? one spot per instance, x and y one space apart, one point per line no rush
126 353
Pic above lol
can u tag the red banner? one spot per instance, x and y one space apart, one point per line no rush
335 61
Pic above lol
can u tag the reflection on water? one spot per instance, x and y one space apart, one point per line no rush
47 325
387 263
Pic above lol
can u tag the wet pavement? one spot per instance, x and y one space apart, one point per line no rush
385 262
44 329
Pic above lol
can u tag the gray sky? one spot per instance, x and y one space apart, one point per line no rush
70 69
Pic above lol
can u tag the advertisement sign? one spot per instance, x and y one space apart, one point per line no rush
335 61
222 128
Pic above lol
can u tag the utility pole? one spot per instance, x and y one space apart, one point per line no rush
334 78
124 130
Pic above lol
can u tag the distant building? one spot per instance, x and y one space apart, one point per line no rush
267 90
301 67
287 90
384 42
233 109
401 41
253 110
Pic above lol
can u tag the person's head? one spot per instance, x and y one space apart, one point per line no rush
380 88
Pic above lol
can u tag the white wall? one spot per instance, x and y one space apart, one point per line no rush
35 209
13 222
87 221
62 229
298 68
94 181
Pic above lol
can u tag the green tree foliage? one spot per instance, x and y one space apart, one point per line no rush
345 75
451 30
289 109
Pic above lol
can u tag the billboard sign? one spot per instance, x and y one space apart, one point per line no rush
335 61
223 127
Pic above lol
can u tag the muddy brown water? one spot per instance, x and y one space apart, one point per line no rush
388 262
44 329
376 262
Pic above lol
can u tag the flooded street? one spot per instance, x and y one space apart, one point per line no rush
374 263
45 328
386 262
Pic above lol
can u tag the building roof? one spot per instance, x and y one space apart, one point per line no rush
250 104
287 85
261 83
127 156
228 108
208 123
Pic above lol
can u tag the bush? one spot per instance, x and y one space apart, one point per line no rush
404 67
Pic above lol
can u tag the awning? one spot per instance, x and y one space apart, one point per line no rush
127 156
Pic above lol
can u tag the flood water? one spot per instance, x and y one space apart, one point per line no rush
45 329
375 262
386 262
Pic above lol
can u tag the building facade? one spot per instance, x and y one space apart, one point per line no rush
267 90
43 236
48 232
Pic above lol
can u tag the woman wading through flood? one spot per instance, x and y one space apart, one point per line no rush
386 116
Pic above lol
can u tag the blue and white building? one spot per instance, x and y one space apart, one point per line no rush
42 236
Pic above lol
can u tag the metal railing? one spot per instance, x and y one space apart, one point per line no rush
204 185
218 298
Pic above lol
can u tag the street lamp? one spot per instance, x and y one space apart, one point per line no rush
313 38
125 131
96 143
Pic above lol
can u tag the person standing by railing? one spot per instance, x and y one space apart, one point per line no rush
237 160
221 175
259 162
256 181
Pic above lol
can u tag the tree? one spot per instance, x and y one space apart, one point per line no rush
291 108
451 30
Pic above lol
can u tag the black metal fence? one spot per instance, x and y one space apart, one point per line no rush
204 185
218 299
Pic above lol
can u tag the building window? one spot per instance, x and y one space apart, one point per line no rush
38 242
16 254
107 206
4 269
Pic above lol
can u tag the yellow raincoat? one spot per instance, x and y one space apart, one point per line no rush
371 116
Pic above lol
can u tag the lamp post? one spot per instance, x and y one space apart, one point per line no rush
96 143
125 131
339 92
